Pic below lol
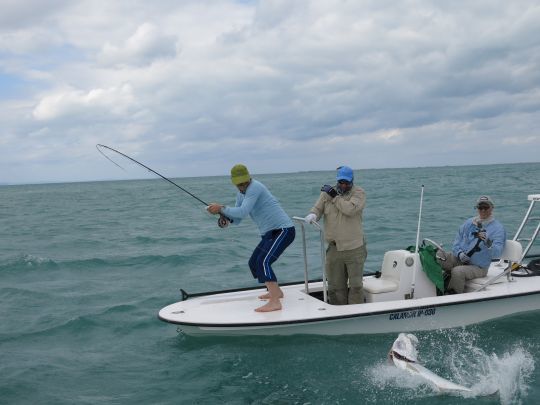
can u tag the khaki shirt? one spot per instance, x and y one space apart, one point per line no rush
342 218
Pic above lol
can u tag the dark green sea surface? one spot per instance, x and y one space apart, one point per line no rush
85 268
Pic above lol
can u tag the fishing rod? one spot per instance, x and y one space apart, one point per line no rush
98 146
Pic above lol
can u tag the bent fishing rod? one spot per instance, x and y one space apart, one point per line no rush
98 146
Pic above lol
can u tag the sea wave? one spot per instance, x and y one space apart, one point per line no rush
116 317
28 262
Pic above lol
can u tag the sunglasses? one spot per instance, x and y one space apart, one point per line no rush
483 207
344 182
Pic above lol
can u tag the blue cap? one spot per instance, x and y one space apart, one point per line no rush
344 173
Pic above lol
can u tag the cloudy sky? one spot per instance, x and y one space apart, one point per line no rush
192 87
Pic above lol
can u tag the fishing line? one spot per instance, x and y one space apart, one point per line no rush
222 220
98 146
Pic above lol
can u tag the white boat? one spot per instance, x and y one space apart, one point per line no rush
401 299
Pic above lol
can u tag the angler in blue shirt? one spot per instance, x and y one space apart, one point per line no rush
276 228
479 240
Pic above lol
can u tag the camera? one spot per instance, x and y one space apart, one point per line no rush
478 230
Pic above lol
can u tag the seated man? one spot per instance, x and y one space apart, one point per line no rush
479 240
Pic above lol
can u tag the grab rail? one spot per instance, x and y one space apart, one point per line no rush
533 198
302 223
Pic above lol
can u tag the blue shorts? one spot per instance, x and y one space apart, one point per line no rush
271 246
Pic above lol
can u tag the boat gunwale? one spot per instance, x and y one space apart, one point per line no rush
242 289
357 315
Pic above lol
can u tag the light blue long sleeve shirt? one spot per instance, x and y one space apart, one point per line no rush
261 205
465 241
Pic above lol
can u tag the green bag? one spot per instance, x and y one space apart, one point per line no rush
431 267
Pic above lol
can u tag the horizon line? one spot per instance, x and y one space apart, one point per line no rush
255 174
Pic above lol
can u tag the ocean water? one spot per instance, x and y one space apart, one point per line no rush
85 268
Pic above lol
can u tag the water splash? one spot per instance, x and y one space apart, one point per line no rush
457 355
510 373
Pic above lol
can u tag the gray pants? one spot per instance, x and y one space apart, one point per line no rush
344 271
459 272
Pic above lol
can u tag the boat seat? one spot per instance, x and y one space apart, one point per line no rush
398 270
493 271
380 285
511 254
389 280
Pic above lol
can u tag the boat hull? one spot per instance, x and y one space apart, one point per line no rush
232 314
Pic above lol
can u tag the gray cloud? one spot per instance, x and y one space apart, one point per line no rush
280 86
145 46
19 15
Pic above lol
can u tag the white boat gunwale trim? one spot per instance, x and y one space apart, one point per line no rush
186 295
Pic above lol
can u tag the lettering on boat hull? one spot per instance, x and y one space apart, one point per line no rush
415 313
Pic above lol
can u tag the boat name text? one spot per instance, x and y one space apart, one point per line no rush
415 313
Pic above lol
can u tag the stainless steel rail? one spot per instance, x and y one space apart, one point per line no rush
302 222
533 198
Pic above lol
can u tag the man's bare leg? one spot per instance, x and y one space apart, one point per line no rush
267 295
274 294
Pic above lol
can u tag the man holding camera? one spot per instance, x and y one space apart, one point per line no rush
479 240
342 206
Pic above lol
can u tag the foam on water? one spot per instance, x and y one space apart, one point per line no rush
512 372
457 355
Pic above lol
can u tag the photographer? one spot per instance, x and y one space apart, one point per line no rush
341 206
479 240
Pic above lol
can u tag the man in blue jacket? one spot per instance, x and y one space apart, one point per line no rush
479 240
276 228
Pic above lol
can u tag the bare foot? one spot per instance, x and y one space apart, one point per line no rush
269 307
267 296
